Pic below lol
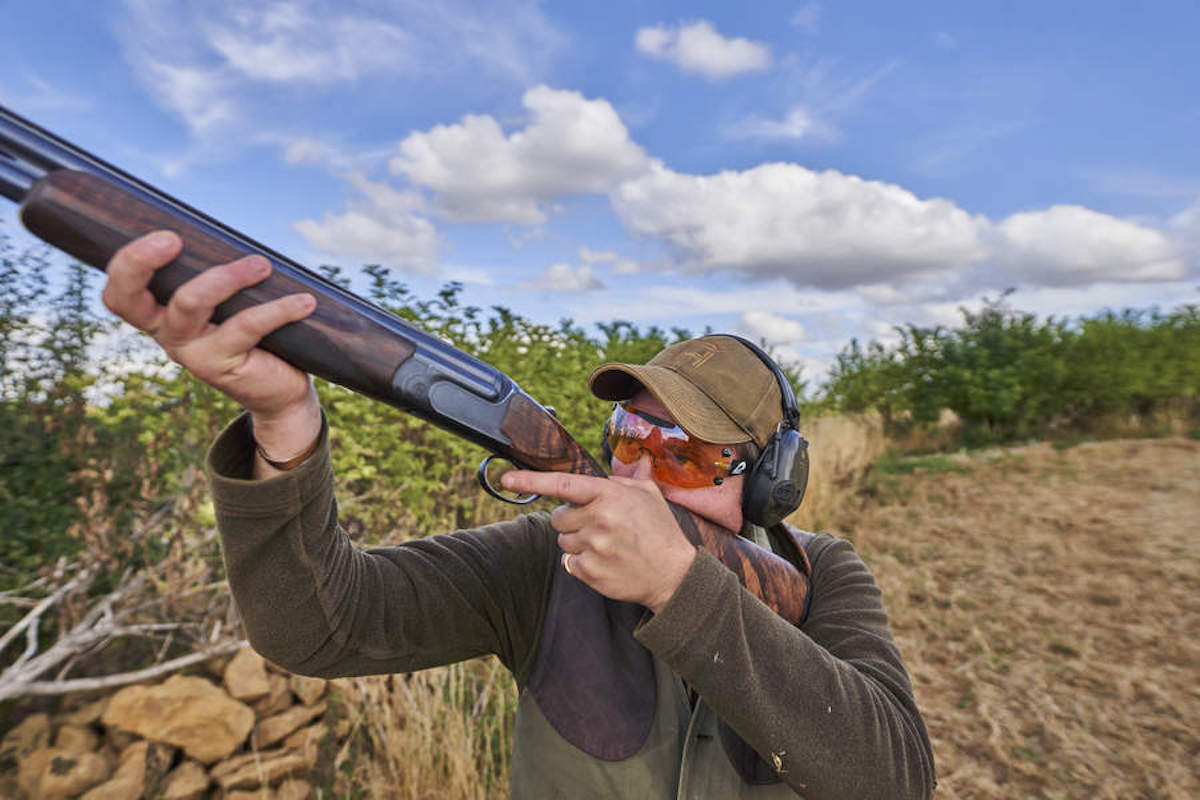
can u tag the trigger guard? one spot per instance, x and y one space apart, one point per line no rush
481 476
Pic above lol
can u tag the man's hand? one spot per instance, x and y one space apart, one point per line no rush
622 539
226 356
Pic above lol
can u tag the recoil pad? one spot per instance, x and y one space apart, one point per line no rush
775 486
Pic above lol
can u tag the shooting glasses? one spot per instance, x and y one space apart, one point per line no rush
676 457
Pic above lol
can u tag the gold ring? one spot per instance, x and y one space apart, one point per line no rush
566 562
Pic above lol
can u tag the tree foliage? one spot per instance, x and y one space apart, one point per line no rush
1009 375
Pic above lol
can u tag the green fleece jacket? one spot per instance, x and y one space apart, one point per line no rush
829 705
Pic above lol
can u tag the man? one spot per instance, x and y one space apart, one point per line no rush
646 670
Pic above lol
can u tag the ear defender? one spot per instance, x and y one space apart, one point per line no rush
775 485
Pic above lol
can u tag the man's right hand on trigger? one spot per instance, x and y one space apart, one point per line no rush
225 356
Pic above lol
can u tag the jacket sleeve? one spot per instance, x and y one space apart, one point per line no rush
315 604
829 704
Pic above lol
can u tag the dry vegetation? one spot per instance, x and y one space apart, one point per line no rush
1047 603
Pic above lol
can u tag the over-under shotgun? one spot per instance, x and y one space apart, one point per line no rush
89 209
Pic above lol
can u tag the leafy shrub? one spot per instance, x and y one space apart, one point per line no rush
1008 375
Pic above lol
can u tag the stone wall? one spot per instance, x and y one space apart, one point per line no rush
250 731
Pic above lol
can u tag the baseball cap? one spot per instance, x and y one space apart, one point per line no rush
713 386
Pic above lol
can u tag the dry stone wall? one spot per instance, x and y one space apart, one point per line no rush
251 731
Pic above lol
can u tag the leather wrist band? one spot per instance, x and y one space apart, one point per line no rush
291 463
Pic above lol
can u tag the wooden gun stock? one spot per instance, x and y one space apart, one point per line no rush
91 218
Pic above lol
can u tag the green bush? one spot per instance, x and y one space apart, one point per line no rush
1009 376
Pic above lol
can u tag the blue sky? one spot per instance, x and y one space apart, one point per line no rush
799 172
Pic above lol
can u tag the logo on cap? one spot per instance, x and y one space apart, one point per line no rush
700 352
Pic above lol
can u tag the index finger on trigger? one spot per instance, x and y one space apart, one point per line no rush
575 489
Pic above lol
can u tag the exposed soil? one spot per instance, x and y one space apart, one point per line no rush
1048 607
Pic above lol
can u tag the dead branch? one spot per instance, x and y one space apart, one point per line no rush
124 678
30 619
108 618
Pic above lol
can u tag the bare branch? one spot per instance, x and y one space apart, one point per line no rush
141 630
43 688
31 643
8 595
41 607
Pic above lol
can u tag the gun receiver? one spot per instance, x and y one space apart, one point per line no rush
90 209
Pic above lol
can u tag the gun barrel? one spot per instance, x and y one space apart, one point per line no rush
15 182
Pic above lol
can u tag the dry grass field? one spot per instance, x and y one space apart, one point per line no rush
1047 603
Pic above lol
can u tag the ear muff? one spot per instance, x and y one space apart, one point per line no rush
775 485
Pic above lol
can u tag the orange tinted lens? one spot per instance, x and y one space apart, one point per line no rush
693 464
677 459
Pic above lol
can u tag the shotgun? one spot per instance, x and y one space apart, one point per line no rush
89 209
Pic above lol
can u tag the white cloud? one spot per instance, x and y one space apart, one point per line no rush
786 356
563 277
589 256
472 275
706 299
798 124
196 94
882 294
334 158
1186 227
519 237
620 265
700 48
213 63
1071 245
884 332
820 229
806 17
307 151
772 328
286 42
818 100
477 173
386 228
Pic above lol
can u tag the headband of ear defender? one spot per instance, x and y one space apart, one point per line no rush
774 485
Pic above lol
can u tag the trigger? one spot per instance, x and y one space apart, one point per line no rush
482 477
